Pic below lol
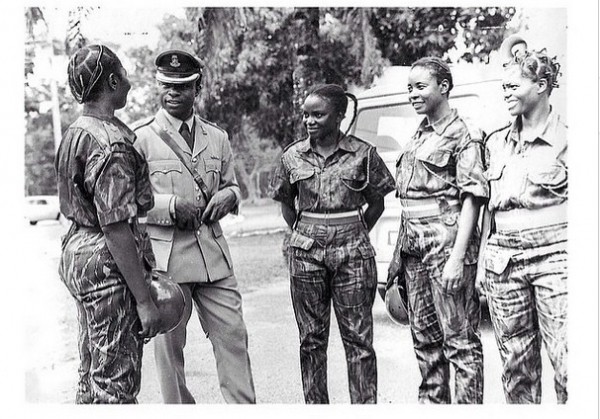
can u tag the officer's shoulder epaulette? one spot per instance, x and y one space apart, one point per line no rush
212 124
142 123
498 130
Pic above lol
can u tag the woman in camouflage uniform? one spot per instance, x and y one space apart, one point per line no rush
440 183
525 258
106 261
322 183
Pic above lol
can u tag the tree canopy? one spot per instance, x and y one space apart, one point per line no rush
258 62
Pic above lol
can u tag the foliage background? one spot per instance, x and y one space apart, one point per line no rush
258 63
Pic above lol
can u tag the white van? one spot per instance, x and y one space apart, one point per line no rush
386 119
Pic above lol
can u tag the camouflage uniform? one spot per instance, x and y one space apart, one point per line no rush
103 180
526 265
333 262
443 161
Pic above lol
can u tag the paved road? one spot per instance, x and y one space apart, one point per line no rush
51 358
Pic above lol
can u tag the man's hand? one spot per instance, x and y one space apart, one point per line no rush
222 203
186 214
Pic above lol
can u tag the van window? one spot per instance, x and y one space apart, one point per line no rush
390 127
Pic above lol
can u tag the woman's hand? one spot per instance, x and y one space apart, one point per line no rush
149 317
452 275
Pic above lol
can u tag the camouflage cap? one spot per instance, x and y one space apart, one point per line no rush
178 67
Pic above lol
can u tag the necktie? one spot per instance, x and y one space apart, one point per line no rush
187 135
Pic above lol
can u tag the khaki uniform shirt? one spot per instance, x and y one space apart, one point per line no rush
187 256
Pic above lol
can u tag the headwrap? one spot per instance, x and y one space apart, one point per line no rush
85 69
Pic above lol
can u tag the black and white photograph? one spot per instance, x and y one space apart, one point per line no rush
294 204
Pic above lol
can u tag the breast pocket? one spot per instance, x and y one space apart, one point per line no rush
437 160
165 174
355 179
437 171
298 175
213 169
552 177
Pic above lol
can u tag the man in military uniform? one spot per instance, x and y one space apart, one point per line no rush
194 185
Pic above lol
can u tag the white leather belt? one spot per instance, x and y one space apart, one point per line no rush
334 218
521 218
426 207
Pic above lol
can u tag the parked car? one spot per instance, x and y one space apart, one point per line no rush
41 207
386 119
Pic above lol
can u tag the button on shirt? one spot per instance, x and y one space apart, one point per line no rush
353 175
527 173
444 158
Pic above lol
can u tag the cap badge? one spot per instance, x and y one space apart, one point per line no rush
174 61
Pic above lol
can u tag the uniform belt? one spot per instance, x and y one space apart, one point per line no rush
335 218
426 207
523 218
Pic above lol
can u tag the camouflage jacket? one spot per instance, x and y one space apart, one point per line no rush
442 159
353 175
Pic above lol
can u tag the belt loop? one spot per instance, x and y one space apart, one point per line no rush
362 217
298 214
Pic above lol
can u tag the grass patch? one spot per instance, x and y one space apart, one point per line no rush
258 260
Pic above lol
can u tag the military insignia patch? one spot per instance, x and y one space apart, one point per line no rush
174 61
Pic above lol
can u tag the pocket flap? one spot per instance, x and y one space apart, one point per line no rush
213 165
300 174
438 158
300 241
496 261
164 166
554 176
160 233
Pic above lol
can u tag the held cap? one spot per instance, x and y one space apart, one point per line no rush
169 300
396 304
177 67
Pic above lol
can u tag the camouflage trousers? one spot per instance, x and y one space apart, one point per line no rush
444 329
526 289
334 263
110 349
444 326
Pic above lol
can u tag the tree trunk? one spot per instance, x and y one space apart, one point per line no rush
306 64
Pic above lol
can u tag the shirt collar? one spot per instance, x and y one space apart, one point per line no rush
178 122
440 125
345 144
548 133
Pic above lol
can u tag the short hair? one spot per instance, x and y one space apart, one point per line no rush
338 98
88 69
333 93
439 69
536 66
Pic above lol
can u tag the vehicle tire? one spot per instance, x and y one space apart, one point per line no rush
33 223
